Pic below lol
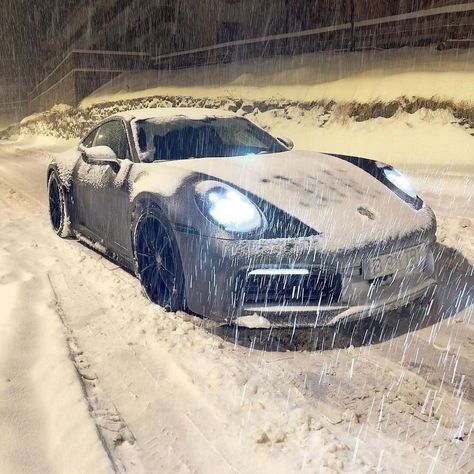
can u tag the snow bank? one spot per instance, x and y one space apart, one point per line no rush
342 77
44 421
38 143
409 133
422 139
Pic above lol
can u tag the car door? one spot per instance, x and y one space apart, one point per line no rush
102 190
80 189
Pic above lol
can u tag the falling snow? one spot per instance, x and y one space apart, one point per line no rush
94 377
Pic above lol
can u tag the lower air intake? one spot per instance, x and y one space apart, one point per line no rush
317 287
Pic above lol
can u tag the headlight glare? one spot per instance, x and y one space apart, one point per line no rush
227 207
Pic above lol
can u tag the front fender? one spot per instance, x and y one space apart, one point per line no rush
63 165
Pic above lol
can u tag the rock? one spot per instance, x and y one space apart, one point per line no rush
247 107
465 223
231 107
261 106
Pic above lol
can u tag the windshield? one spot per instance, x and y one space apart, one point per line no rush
181 138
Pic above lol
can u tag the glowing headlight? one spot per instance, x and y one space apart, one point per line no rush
399 180
228 207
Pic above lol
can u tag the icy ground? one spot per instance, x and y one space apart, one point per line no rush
167 394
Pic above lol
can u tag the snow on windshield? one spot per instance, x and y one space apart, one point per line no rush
180 137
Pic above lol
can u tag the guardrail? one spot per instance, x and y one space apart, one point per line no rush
96 60
448 22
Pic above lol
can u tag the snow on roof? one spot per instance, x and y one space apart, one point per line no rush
190 113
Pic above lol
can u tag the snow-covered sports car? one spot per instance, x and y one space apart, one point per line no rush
216 216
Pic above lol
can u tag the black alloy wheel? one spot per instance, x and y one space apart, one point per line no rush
159 264
57 207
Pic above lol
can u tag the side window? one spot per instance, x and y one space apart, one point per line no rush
113 134
89 140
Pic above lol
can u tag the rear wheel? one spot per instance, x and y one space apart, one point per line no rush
159 263
58 215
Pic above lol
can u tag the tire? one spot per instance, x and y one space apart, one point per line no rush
58 214
158 262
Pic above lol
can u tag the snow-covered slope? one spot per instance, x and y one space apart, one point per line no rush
343 77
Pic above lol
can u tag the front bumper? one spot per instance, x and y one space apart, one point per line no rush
217 274
314 316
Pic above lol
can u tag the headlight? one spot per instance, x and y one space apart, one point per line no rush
399 180
227 207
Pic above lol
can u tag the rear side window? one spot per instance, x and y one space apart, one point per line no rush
113 134
89 140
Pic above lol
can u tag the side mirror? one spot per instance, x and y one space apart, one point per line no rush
101 155
288 142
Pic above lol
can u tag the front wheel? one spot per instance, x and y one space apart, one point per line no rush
159 264
58 214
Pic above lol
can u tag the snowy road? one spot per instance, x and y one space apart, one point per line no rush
167 395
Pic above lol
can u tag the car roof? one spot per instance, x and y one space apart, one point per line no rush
190 113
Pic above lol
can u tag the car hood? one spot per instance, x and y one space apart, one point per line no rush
348 206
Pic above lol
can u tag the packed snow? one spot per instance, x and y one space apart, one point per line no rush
44 418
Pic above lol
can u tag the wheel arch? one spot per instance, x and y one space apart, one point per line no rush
52 168
143 203
146 205
66 230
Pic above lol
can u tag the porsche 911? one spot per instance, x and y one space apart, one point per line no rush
217 217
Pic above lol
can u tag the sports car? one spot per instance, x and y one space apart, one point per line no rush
218 217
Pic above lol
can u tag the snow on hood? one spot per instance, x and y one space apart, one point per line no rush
343 202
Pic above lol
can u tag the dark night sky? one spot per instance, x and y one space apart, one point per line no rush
22 27
18 41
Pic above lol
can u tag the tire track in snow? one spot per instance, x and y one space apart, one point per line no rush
148 389
118 441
